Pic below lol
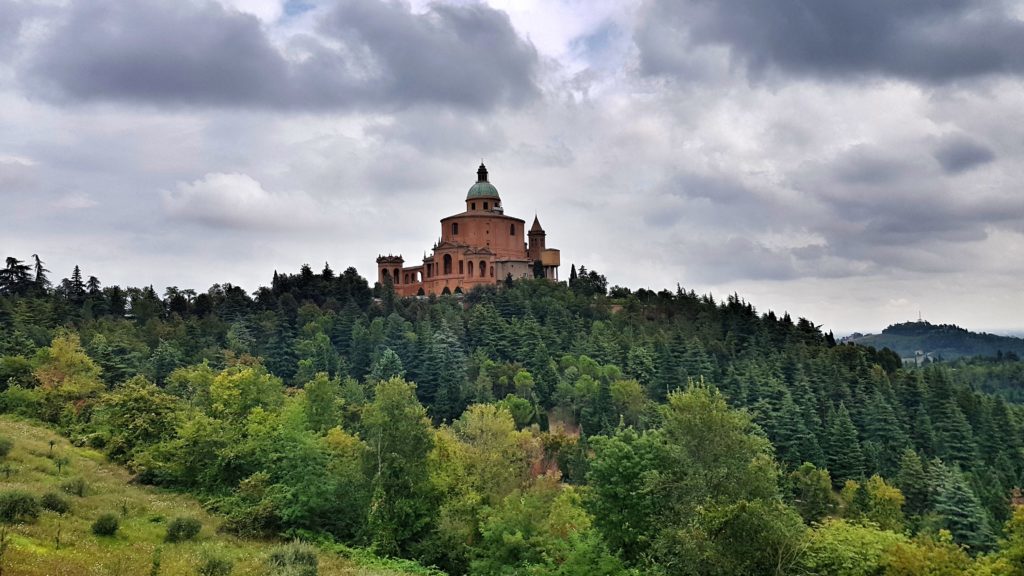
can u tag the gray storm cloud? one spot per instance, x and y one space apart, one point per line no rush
932 41
364 54
827 157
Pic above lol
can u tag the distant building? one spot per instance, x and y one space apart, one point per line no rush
481 246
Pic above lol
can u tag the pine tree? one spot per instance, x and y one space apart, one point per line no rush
76 287
953 435
844 456
958 508
794 444
912 480
41 280
166 357
449 399
884 430
279 356
387 366
360 353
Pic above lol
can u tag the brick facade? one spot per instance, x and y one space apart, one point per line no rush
481 246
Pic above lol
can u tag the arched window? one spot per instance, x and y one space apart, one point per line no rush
483 269
396 276
384 276
455 228
512 230
447 264
485 205
461 272
446 291
406 280
472 205
492 271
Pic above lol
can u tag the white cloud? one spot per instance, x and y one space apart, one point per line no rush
238 201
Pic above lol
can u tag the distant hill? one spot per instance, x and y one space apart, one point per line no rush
940 341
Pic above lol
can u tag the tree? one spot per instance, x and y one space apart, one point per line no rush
76 286
239 389
845 459
41 280
136 415
165 359
810 491
66 373
913 483
399 436
541 530
14 278
839 548
387 366
323 402
958 508
620 495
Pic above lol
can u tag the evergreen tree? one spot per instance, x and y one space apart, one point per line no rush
958 507
912 480
844 456
883 429
166 357
279 356
14 278
42 282
76 287
387 366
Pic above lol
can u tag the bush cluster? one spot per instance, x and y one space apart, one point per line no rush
105 525
55 502
18 506
183 528
76 487
5 446
293 559
214 563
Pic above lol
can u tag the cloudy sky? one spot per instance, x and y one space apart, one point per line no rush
853 162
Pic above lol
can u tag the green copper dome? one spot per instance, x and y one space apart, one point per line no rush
482 188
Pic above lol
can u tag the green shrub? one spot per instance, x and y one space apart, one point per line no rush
105 525
294 559
213 563
18 506
76 487
55 502
182 528
26 402
5 446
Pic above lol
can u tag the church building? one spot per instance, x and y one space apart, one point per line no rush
481 246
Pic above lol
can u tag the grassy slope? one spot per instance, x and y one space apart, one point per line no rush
33 547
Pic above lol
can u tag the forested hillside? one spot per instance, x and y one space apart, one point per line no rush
532 428
943 341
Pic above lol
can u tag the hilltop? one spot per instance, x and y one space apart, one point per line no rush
940 341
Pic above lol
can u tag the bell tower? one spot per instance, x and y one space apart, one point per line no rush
536 237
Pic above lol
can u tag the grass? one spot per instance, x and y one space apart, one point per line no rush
64 545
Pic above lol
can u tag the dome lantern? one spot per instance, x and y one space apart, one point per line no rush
483 189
